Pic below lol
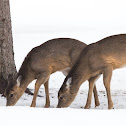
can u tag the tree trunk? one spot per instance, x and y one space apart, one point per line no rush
7 63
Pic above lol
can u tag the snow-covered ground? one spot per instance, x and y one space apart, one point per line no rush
25 116
21 114
118 96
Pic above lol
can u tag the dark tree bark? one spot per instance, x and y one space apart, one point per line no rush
7 63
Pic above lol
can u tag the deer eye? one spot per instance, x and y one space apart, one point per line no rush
11 95
61 97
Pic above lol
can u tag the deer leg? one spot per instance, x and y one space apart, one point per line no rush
41 80
97 103
47 94
107 74
91 87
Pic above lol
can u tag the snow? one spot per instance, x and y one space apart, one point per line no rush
22 114
118 96
25 116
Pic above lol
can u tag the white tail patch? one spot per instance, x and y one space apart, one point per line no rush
69 80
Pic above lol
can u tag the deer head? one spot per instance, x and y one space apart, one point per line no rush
66 94
13 91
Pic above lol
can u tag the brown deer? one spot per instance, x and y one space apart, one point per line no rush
54 55
98 58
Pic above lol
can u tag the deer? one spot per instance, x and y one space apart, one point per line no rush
98 58
54 55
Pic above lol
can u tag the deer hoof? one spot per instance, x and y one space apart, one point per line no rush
87 107
46 106
110 106
32 105
97 104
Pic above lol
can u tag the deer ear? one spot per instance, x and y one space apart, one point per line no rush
19 80
10 79
68 82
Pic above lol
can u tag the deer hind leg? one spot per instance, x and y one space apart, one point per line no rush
41 80
91 88
47 94
107 74
97 103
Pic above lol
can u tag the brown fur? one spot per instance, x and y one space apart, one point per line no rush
98 58
54 55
